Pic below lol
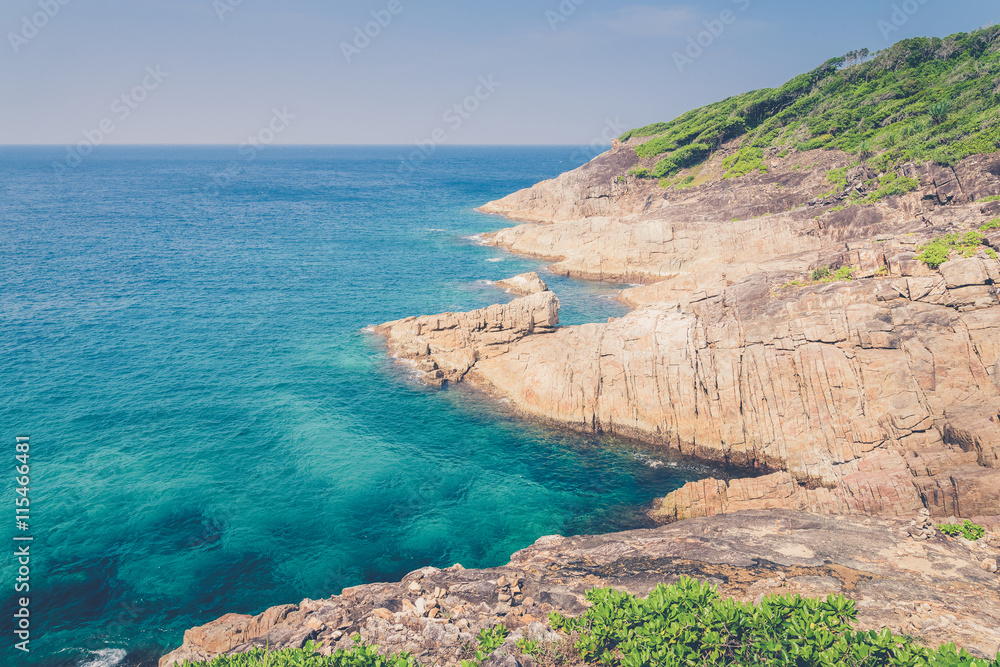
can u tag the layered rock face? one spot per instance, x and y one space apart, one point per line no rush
444 347
939 589
879 395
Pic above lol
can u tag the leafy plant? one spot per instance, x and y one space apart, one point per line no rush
938 251
820 273
528 646
688 624
490 639
939 111
992 224
967 529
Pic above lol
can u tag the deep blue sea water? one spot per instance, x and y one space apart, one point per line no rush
211 429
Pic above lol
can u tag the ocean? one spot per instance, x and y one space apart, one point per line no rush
212 429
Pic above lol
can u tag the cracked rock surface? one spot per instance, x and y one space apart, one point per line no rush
935 588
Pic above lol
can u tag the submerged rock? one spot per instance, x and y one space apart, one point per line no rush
526 283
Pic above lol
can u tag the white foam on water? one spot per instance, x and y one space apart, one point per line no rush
477 238
105 657
496 259
651 462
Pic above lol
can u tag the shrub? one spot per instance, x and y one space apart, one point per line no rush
992 224
967 529
937 252
939 111
820 273
688 624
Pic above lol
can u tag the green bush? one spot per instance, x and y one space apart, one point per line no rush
820 273
687 624
992 224
967 529
937 252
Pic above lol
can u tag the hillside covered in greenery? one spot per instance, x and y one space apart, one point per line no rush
923 99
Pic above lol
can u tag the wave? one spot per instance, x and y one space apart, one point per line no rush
496 259
105 657
651 462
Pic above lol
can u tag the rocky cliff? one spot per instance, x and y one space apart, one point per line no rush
940 589
877 394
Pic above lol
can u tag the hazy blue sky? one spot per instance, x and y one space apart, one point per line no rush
228 64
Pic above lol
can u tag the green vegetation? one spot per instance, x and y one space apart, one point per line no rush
744 161
838 177
824 275
490 639
992 224
528 646
989 199
918 100
937 252
967 529
688 624
892 184
360 655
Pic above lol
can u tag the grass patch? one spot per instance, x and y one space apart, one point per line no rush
892 184
992 224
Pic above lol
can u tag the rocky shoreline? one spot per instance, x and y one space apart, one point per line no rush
940 589
858 404
878 394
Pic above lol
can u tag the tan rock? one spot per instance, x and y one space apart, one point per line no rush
524 284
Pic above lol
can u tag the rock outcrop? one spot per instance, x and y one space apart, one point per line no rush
523 284
879 394
939 589
444 347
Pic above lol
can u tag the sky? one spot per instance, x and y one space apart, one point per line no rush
570 72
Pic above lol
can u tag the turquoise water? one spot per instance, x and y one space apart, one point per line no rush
212 430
